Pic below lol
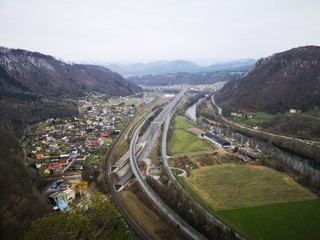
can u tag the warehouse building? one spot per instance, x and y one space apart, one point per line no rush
217 139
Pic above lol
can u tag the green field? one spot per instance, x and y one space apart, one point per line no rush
256 201
260 118
232 185
184 141
121 149
182 122
94 158
150 95
107 142
122 123
293 220
104 103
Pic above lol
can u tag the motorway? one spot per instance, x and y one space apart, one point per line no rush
309 142
148 140
164 156
155 129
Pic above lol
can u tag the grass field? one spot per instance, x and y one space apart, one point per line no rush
122 148
260 118
94 158
103 103
256 201
293 220
185 142
150 95
182 122
107 142
231 186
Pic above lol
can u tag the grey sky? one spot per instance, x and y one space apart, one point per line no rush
132 30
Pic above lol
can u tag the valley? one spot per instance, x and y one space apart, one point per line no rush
178 154
183 120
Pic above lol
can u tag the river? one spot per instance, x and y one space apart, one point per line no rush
191 111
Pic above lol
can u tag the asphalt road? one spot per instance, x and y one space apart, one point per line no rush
155 129
173 179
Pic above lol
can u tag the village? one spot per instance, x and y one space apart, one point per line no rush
70 146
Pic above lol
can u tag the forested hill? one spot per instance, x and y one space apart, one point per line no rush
184 78
46 75
289 79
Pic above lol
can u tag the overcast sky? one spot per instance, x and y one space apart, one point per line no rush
145 30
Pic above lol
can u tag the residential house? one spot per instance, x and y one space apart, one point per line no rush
39 155
64 161
104 134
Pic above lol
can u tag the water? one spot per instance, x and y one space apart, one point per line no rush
191 111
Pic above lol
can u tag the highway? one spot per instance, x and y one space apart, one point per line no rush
164 156
155 129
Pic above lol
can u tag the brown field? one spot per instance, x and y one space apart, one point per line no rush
195 131
144 216
155 226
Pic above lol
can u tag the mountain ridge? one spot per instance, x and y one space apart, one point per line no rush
170 79
289 79
44 74
179 66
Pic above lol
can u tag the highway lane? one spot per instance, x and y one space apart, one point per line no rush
156 125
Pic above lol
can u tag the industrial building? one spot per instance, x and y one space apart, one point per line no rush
217 139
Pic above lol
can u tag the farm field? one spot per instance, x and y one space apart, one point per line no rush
232 186
119 101
184 141
292 220
182 122
260 118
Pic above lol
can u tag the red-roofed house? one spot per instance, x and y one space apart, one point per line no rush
64 161
95 143
104 134
53 167
39 155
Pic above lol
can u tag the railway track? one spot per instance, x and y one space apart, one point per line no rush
113 194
